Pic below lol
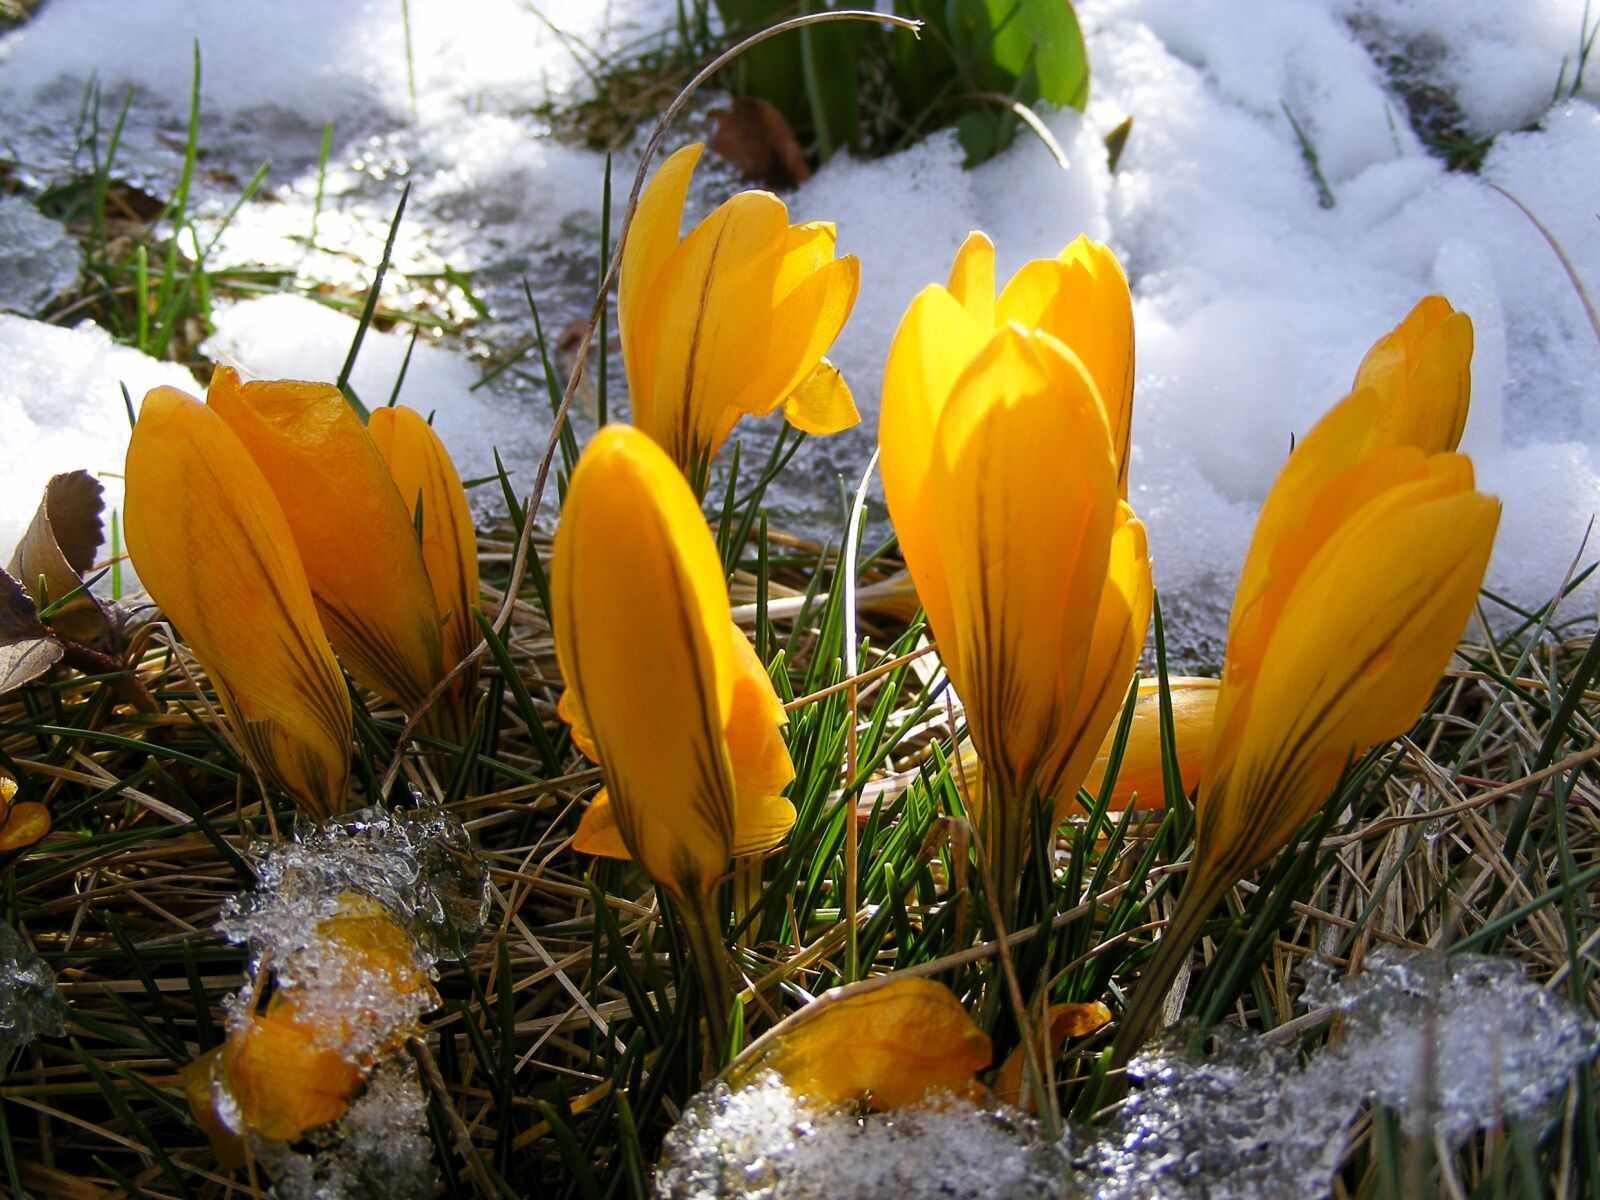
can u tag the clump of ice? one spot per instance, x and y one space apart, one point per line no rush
763 1141
374 1152
30 1006
61 409
39 258
1454 1043
419 865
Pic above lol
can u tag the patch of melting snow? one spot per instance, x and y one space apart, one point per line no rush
39 260
1454 1043
764 1141
418 864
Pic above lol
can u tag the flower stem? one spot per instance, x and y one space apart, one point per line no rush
1172 951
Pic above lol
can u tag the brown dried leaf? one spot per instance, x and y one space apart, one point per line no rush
754 137
60 545
27 650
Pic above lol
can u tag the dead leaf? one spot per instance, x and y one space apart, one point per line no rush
27 650
753 136
60 545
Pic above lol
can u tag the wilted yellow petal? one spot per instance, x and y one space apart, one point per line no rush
821 403
971 279
24 825
211 544
652 236
1063 1021
422 471
8 792
889 1046
283 1080
641 626
1139 775
354 533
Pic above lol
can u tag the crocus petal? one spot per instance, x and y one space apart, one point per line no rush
821 403
1350 662
202 1076
353 531
971 279
1114 645
212 545
808 249
422 471
1024 497
890 1046
804 325
283 1080
1140 777
597 831
568 709
731 320
711 313
1081 297
652 236
1424 367
641 619
935 341
25 824
761 763
1063 1021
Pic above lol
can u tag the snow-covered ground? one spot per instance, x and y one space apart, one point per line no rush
1254 301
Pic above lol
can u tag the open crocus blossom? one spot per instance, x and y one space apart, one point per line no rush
354 532
212 546
1359 578
1001 464
733 319
655 678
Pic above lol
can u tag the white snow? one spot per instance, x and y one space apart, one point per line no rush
61 409
1253 302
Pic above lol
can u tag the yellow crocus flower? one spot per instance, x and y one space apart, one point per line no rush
1360 575
422 471
733 319
1001 467
354 532
212 546
654 676
762 768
